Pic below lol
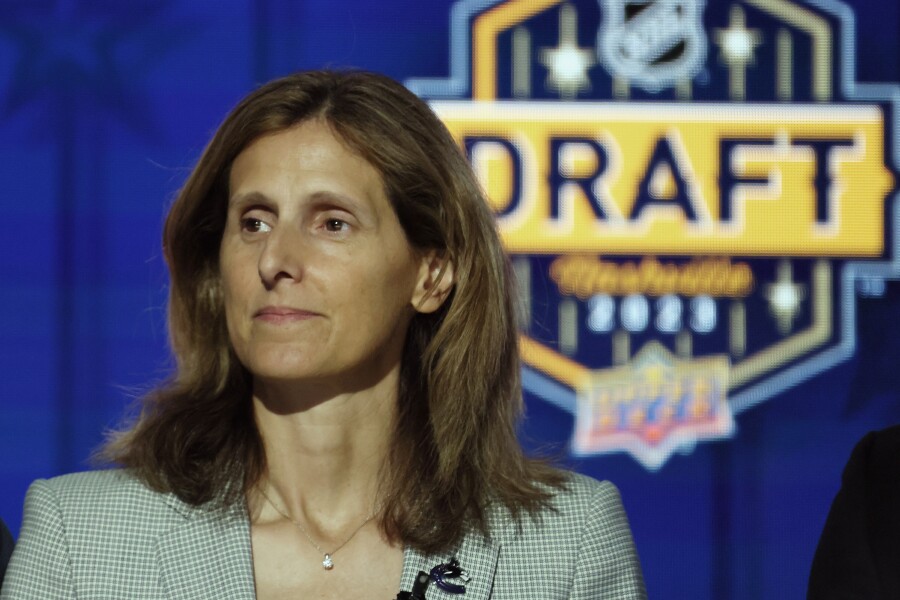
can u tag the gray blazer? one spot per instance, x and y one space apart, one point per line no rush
105 535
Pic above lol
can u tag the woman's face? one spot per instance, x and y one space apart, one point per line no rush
319 280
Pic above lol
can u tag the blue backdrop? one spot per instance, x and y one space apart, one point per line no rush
104 107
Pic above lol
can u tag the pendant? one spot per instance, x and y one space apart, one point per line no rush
328 563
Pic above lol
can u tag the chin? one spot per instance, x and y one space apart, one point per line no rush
280 363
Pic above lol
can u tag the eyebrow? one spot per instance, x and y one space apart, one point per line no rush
326 197
248 198
320 199
363 210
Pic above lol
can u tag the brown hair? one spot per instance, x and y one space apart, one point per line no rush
454 449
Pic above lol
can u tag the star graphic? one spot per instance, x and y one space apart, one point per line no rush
568 67
784 297
737 44
567 63
84 57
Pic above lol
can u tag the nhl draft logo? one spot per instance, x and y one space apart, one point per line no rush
693 196
653 44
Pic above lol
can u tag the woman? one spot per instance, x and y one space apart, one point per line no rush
344 409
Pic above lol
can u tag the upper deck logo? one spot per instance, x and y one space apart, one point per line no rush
693 195
653 44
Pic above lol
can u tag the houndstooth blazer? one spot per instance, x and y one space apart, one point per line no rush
104 534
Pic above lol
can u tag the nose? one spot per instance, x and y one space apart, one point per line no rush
280 259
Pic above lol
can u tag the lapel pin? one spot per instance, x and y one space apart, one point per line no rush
450 570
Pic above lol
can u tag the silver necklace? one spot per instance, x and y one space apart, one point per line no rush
328 561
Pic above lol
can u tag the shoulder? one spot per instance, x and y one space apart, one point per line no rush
880 448
88 485
6 548
583 493
858 551
874 465
873 475
109 492
100 504
582 502
77 526
580 544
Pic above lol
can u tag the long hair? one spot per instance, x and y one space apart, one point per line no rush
454 449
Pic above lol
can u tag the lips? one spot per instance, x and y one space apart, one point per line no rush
283 314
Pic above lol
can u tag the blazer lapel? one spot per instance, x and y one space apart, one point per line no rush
207 556
477 555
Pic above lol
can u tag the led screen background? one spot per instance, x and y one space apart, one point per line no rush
104 106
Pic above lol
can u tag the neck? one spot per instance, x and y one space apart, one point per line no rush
324 448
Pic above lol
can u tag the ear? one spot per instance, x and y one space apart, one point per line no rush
436 279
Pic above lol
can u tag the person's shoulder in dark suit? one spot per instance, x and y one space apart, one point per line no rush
859 549
6 548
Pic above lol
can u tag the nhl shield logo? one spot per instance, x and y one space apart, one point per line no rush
653 44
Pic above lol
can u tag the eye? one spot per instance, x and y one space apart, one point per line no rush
335 225
254 225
